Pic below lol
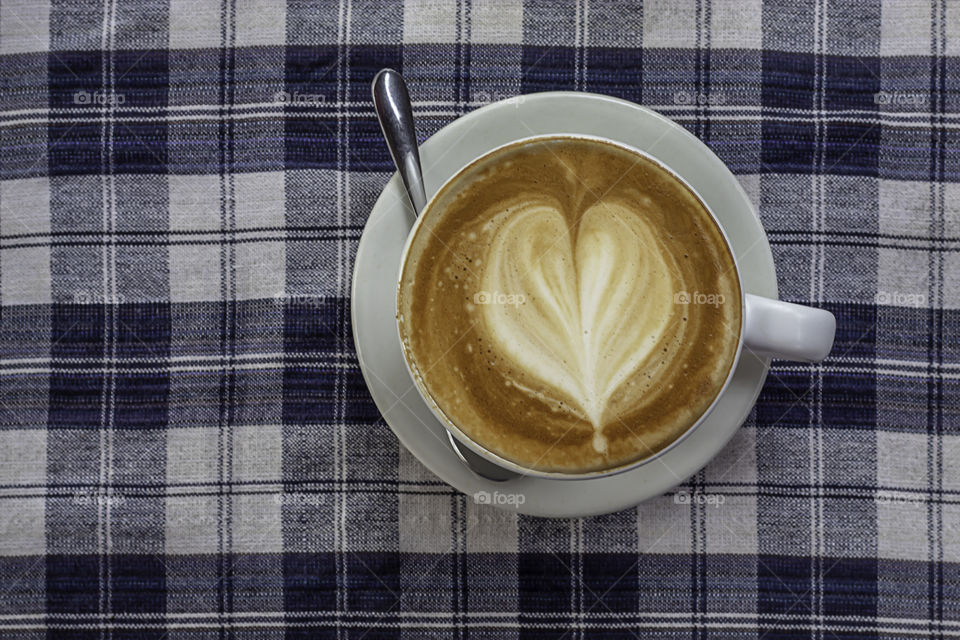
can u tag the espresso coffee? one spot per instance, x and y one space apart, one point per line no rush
569 305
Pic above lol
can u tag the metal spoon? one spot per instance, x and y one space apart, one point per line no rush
392 103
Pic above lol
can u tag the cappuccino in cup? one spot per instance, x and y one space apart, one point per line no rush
569 305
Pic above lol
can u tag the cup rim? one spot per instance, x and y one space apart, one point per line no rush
462 437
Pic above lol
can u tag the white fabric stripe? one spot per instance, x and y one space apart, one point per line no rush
339 434
226 435
280 115
602 615
282 491
277 356
345 244
113 370
937 218
454 105
585 43
816 267
212 358
564 625
893 373
878 371
110 321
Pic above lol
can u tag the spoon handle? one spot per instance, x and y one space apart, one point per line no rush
392 103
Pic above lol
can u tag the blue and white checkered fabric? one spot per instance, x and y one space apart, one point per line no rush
187 447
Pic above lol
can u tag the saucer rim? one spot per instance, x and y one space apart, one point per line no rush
405 435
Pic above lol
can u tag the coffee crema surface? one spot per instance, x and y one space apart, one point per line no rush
569 305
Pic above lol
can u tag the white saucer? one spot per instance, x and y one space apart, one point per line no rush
378 262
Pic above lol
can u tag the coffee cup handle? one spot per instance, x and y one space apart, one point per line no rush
786 330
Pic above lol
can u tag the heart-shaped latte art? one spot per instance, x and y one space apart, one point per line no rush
593 305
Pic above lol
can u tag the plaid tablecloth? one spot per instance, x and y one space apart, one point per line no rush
187 447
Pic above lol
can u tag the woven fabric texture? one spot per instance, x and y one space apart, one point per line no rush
187 446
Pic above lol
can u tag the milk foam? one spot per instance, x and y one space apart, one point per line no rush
597 299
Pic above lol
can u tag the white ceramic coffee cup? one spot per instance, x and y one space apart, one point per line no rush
768 327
